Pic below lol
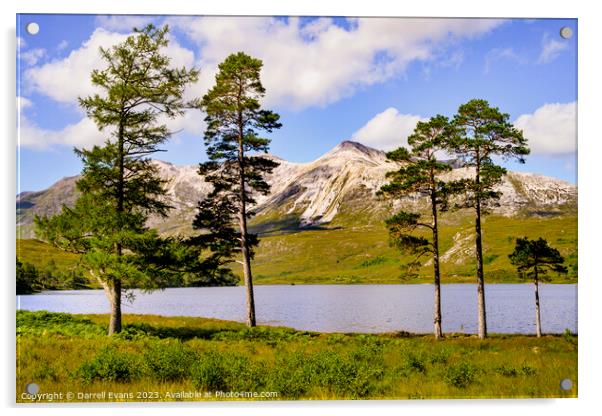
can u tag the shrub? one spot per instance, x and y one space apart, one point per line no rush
461 375
507 371
510 371
40 322
169 360
111 364
291 375
350 375
209 372
416 363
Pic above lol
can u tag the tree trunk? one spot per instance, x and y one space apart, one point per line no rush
537 311
115 321
480 277
437 306
115 296
113 293
479 249
244 245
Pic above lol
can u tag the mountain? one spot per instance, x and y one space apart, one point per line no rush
340 184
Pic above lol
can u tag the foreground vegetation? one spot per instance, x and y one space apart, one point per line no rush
161 355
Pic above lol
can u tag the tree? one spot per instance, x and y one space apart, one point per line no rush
119 187
534 259
420 174
234 117
480 133
26 278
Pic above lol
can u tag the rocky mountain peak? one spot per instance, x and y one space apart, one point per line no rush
349 150
346 179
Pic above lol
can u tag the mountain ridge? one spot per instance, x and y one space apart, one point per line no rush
346 178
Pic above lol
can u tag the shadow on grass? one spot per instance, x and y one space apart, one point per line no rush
142 330
288 224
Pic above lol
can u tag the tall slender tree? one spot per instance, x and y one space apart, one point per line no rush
533 260
236 171
120 187
420 174
481 133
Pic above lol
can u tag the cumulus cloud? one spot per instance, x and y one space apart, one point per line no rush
550 49
551 129
64 80
387 130
318 63
33 56
81 134
85 133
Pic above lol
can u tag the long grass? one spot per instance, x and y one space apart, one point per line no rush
155 358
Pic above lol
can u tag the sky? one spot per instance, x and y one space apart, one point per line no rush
331 79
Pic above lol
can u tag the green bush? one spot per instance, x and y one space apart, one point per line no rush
461 375
415 363
510 371
209 372
44 322
111 364
169 361
350 375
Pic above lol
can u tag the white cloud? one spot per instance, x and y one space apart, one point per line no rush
499 54
21 43
31 57
23 103
62 45
550 50
387 130
123 23
551 129
85 133
319 63
82 134
66 79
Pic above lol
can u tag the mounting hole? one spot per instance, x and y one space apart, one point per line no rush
566 384
32 28
566 32
32 388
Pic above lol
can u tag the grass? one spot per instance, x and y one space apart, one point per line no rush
41 255
353 249
155 355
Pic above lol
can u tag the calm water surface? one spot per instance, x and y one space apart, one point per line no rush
343 308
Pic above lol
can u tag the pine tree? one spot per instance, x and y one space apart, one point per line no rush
119 187
420 174
533 260
482 132
234 116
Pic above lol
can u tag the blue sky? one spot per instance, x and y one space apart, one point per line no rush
368 80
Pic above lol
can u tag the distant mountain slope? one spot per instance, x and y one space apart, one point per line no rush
343 181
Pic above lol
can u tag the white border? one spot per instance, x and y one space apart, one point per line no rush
590 36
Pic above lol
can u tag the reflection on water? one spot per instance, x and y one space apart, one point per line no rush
343 308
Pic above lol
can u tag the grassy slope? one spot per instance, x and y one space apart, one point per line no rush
58 351
346 252
41 254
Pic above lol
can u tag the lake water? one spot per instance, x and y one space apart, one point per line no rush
343 308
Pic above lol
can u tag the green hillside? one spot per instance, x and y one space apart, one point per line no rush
345 253
352 251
